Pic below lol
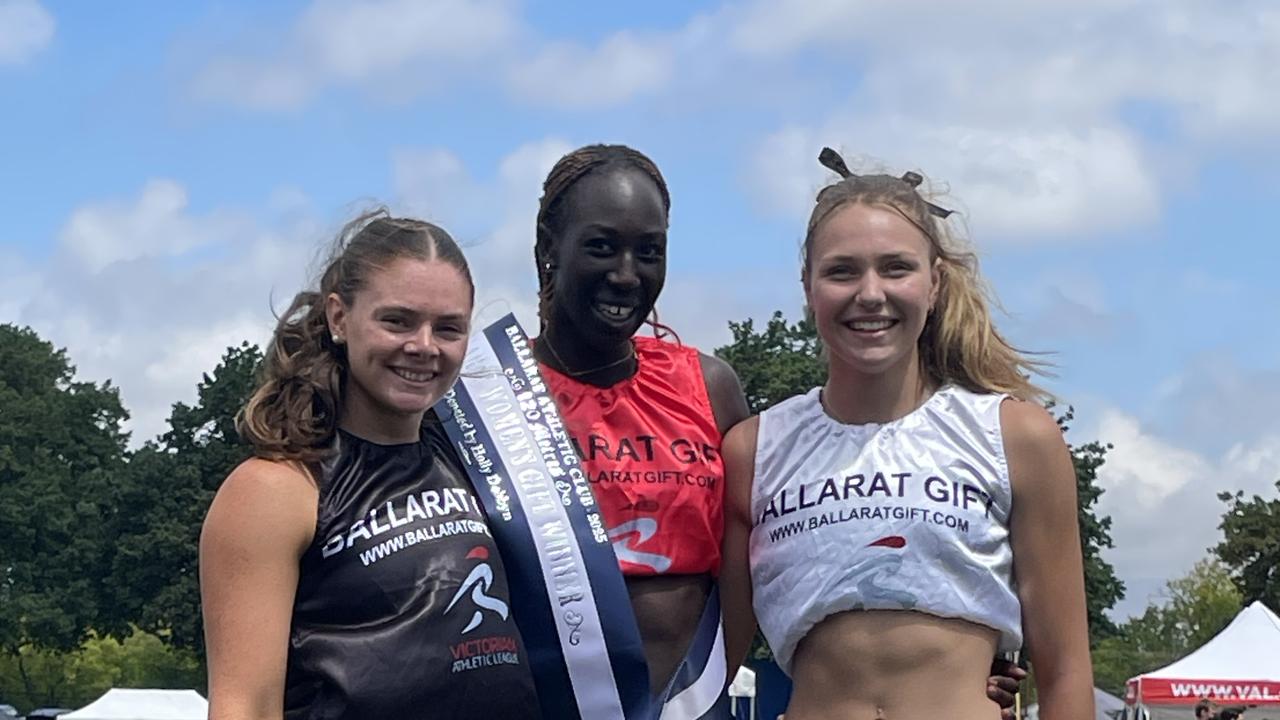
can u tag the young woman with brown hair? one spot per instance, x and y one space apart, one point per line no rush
347 570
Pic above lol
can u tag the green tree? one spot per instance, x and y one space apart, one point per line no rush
75 678
1197 606
783 360
1251 545
171 483
1102 588
61 454
775 363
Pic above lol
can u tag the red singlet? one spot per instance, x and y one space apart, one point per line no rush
651 448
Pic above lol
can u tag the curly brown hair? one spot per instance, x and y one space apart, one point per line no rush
293 412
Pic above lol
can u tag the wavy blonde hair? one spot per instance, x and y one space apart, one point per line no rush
293 412
959 343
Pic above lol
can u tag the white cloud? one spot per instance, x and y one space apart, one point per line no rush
1162 499
777 28
155 226
1147 469
493 219
1050 79
1218 67
148 294
356 39
527 166
620 69
784 175
21 282
1014 184
1050 58
1023 108
699 305
1062 316
397 47
26 28
192 349
433 183
1219 403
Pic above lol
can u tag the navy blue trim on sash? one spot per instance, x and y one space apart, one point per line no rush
531 608
613 602
694 691
567 593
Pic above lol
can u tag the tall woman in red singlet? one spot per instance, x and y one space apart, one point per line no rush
647 414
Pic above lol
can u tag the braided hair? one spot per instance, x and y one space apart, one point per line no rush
567 171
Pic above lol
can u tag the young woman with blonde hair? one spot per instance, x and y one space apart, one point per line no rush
897 527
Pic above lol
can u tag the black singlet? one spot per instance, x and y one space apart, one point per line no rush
402 608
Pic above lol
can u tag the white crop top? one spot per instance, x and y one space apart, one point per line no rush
909 515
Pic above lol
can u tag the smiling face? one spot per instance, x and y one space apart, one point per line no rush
405 334
871 282
610 255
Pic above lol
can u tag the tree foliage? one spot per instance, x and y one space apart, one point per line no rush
1102 588
1197 606
61 453
98 547
172 480
779 361
43 678
1251 545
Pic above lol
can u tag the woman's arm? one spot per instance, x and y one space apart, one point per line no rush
730 407
261 521
1046 555
739 450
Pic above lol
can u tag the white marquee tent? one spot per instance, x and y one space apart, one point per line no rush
1240 666
127 704
1105 705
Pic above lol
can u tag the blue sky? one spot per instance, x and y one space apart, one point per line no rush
168 171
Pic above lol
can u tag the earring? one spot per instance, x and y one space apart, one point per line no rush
337 340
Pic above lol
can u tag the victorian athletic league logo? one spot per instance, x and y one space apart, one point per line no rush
478 583
474 653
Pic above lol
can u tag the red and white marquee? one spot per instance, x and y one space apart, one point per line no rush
1239 666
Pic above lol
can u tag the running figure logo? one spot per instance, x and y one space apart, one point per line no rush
479 582
634 532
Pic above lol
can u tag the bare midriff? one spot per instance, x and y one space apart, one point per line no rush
667 609
893 665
